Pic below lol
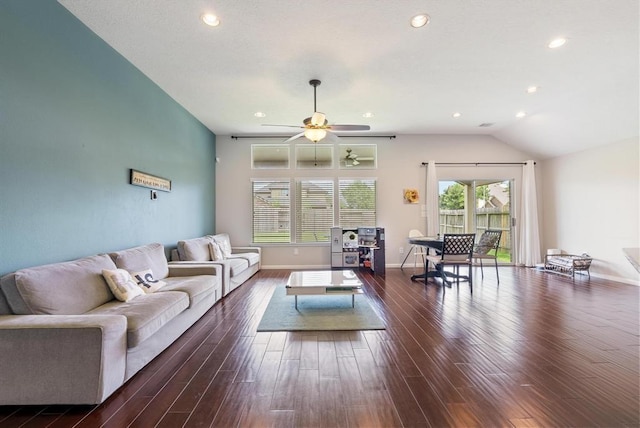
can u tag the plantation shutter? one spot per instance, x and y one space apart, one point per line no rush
271 211
314 210
357 202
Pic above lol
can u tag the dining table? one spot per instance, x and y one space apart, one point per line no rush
432 243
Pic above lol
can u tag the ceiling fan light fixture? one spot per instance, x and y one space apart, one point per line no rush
315 134
556 43
210 19
420 20
318 119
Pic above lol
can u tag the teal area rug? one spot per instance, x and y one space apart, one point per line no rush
326 312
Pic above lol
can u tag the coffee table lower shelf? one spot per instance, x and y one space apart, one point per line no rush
321 290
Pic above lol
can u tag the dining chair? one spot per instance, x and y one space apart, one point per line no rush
457 250
488 243
417 250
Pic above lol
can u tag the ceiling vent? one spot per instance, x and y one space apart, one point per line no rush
486 124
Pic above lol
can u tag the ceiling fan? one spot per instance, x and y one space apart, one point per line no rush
316 126
352 159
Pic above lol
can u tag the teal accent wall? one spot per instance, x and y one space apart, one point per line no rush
75 116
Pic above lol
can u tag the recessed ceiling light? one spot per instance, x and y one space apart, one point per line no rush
367 114
420 20
210 19
259 114
520 114
532 89
556 43
456 114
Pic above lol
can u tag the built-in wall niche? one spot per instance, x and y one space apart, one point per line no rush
314 156
357 156
270 156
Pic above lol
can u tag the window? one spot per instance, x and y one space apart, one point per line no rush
269 156
271 211
314 210
314 156
357 156
357 202
468 206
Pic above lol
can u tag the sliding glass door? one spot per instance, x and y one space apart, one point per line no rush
473 206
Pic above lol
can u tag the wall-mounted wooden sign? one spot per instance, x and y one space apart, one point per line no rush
143 179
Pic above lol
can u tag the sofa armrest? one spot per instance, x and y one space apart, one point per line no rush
61 359
194 268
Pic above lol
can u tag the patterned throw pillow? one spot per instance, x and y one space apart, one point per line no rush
122 285
216 251
145 281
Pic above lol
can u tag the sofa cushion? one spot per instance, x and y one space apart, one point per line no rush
224 242
146 314
142 258
196 249
198 287
4 305
122 284
252 258
68 288
236 265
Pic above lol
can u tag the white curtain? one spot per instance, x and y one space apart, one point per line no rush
528 230
432 201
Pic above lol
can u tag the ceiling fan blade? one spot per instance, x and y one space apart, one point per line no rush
349 127
287 126
294 137
318 119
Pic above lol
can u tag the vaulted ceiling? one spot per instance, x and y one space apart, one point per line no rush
476 58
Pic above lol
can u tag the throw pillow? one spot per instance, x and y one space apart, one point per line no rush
145 281
225 246
216 251
122 285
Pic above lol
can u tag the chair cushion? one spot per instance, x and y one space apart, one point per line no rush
146 314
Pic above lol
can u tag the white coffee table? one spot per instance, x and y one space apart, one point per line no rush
324 282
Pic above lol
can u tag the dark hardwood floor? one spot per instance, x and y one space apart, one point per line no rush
536 350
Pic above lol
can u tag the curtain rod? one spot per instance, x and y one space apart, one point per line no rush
236 137
476 163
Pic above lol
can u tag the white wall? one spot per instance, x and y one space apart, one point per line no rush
592 205
399 167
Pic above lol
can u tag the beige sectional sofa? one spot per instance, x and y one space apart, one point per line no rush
65 339
238 264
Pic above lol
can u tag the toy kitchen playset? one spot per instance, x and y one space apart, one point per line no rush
361 247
